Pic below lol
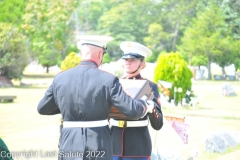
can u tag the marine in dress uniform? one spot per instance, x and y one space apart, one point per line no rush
83 96
134 141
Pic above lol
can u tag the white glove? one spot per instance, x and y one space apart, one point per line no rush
144 98
150 106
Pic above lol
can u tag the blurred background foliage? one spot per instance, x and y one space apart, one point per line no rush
45 30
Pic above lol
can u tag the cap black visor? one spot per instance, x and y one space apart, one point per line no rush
132 55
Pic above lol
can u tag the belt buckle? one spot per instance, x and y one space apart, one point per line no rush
122 124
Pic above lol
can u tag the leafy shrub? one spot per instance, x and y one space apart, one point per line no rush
106 58
171 67
70 61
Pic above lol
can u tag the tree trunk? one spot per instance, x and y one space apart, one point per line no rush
64 53
209 69
47 69
175 36
223 72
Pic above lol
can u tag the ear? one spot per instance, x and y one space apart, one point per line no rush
143 65
100 54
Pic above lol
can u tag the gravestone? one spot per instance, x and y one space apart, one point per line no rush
215 144
227 90
235 135
218 77
231 77
228 139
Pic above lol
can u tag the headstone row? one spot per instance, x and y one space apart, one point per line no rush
220 141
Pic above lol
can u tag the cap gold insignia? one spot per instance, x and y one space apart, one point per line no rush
129 45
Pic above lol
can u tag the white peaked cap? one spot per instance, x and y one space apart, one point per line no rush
100 41
129 47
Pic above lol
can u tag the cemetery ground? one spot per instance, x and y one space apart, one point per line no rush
24 130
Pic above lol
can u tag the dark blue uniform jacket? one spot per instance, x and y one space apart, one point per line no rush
136 141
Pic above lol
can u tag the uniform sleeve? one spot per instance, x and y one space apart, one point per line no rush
47 105
5 153
156 117
130 107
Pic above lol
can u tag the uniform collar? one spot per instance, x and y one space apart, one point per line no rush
134 77
88 63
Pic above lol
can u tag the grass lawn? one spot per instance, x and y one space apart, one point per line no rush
23 129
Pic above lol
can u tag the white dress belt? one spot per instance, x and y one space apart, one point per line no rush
87 124
125 124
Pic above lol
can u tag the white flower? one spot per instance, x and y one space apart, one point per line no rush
179 89
188 92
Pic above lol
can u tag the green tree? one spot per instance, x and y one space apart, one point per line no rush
203 36
158 24
154 39
231 14
13 57
48 58
198 60
171 67
88 14
230 10
173 16
88 21
122 20
12 11
70 61
236 62
229 52
48 24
